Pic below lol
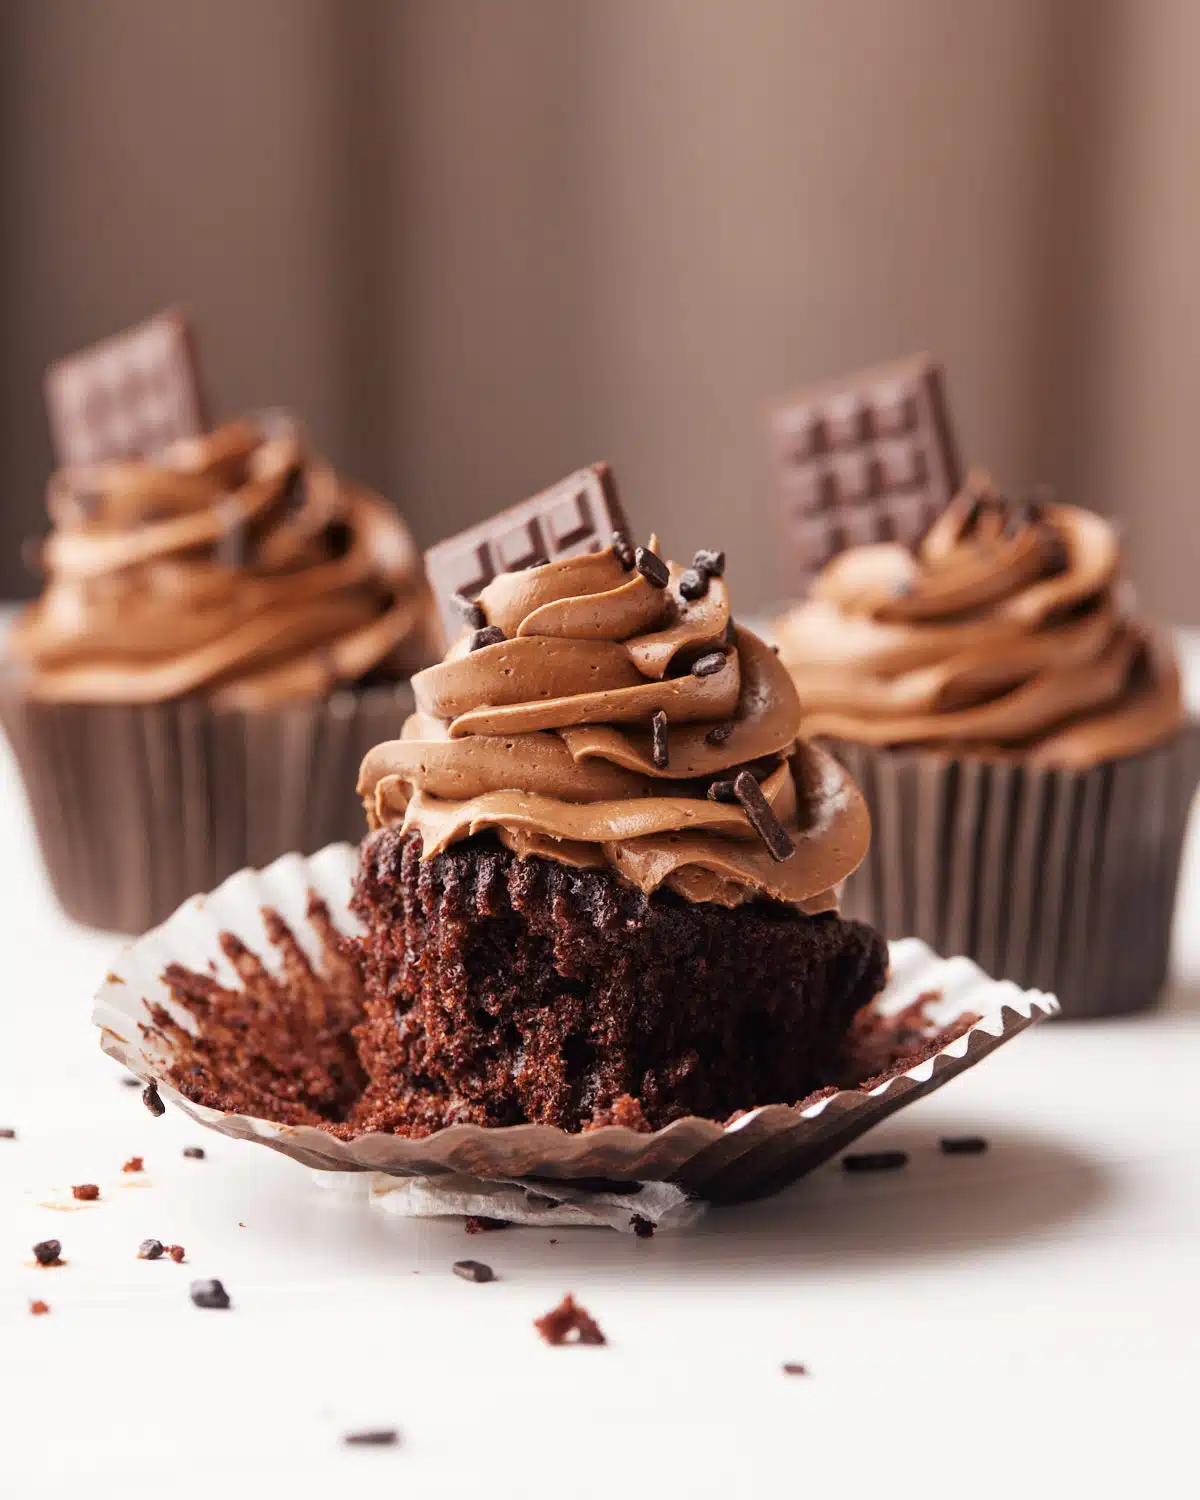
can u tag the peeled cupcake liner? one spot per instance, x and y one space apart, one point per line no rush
759 1153
1059 879
137 807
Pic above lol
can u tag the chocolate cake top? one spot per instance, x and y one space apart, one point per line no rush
235 563
610 714
1002 631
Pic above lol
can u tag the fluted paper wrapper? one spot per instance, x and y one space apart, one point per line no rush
1063 880
138 807
759 1153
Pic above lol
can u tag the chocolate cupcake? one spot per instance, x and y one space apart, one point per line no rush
602 881
1019 735
225 627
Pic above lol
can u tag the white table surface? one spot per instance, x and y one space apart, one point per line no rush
1025 1322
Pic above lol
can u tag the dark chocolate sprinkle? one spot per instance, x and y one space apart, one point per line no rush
47 1252
721 791
712 563
710 662
471 612
194 1153
762 817
963 1145
7 1133
490 635
377 1437
208 1294
874 1161
719 733
152 1100
473 1270
622 551
131 1081
642 1227
693 584
660 752
150 1249
651 567
794 1369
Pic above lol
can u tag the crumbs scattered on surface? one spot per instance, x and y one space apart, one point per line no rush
568 1323
473 1270
963 1145
38 1308
7 1133
153 1100
874 1161
642 1227
134 1164
48 1253
176 1252
86 1192
111 978
794 1369
208 1293
375 1437
194 1153
478 1224
150 1249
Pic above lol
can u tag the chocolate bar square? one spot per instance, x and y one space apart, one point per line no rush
578 514
128 396
869 457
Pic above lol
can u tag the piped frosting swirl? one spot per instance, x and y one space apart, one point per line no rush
1004 632
546 738
237 564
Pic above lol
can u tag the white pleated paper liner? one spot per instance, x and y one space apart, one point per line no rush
759 1153
139 806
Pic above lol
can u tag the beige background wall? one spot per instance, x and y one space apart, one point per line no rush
478 242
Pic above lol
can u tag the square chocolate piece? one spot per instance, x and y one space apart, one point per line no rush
578 514
129 396
868 458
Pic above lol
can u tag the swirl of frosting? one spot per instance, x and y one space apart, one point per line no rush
236 564
1004 632
545 737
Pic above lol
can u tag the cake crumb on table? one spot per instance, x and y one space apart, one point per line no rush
478 1224
642 1227
86 1192
134 1164
38 1307
48 1253
568 1323
176 1252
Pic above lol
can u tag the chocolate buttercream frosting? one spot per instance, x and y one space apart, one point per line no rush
601 719
236 564
1005 632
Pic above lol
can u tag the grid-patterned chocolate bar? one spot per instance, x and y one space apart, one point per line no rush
578 514
867 458
130 395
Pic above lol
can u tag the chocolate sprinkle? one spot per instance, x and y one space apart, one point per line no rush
710 662
490 635
622 551
7 1133
86 1192
208 1294
719 733
47 1252
473 1270
651 567
194 1153
963 1145
794 1369
721 791
762 817
693 584
150 1249
152 1100
471 612
712 563
377 1437
660 751
874 1161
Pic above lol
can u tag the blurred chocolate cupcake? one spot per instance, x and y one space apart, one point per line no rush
602 885
225 627
1019 735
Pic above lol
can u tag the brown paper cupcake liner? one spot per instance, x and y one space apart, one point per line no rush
759 1153
1056 879
138 807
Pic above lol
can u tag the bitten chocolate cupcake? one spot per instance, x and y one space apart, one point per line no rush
226 625
1019 735
603 879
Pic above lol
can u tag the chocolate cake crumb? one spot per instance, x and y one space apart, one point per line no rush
86 1192
795 1369
489 635
473 1270
209 1294
651 567
568 1323
38 1308
176 1252
194 1153
709 663
134 1164
660 752
707 561
377 1437
48 1252
963 1145
642 1227
150 1249
693 584
152 1100
479 1224
874 1161
7 1133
